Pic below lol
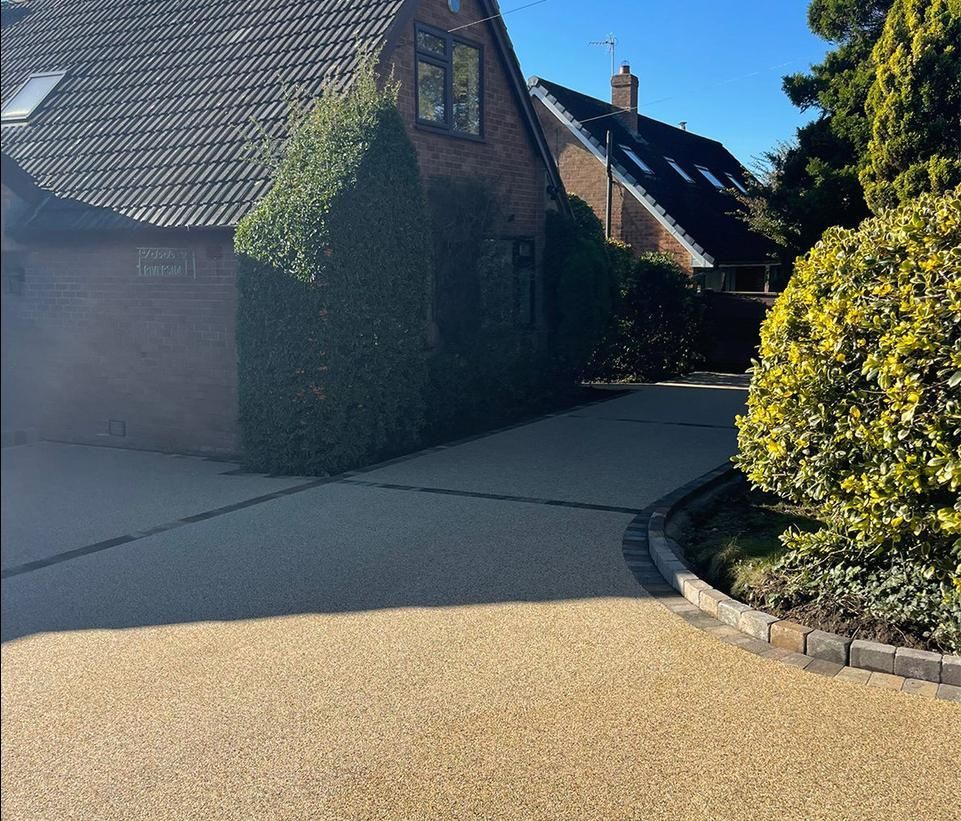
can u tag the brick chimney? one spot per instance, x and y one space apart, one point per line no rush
624 96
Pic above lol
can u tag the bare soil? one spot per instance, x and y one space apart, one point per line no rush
735 546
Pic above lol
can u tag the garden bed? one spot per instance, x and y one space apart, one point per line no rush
734 545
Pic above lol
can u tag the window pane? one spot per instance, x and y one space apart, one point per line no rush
31 94
430 43
467 101
637 160
737 183
524 282
710 177
431 81
684 175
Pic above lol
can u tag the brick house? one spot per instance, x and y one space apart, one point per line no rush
670 189
127 129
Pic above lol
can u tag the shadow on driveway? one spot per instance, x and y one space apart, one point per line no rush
336 548
531 514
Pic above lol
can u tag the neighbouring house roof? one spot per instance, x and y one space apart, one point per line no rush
163 100
697 213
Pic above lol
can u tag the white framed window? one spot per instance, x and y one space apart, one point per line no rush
736 182
683 174
709 176
637 160
29 96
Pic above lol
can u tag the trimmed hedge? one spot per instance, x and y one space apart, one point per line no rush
855 411
656 328
333 279
581 273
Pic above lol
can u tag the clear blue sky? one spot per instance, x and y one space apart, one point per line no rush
692 58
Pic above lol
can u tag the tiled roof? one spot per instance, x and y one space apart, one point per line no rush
698 210
164 99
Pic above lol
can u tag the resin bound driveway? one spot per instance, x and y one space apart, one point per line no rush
451 636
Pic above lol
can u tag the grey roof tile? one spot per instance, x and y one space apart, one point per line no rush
153 120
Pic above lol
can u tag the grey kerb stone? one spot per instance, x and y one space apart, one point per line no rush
828 646
757 624
678 577
730 611
951 670
692 591
917 664
870 655
711 599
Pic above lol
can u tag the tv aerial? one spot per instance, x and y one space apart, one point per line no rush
610 42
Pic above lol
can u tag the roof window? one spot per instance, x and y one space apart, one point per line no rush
709 176
29 97
736 182
637 160
684 175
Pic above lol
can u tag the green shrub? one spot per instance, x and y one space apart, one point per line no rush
503 378
855 405
580 285
334 266
656 326
890 597
913 103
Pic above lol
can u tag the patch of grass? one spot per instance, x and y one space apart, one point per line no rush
735 546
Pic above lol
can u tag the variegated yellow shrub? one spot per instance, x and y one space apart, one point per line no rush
855 404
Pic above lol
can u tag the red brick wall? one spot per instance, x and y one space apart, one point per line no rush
89 340
584 175
507 156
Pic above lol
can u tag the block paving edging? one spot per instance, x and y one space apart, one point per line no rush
657 564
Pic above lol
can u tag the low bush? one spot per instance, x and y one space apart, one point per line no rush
656 326
855 411
333 278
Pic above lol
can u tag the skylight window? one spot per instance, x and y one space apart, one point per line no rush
637 160
684 175
736 183
709 176
31 94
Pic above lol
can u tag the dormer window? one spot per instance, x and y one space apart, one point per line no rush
30 96
637 160
709 176
683 174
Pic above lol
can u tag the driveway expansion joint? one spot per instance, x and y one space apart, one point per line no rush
137 535
496 497
929 675
649 421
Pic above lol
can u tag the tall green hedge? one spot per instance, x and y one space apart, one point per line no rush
334 273
855 410
581 278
